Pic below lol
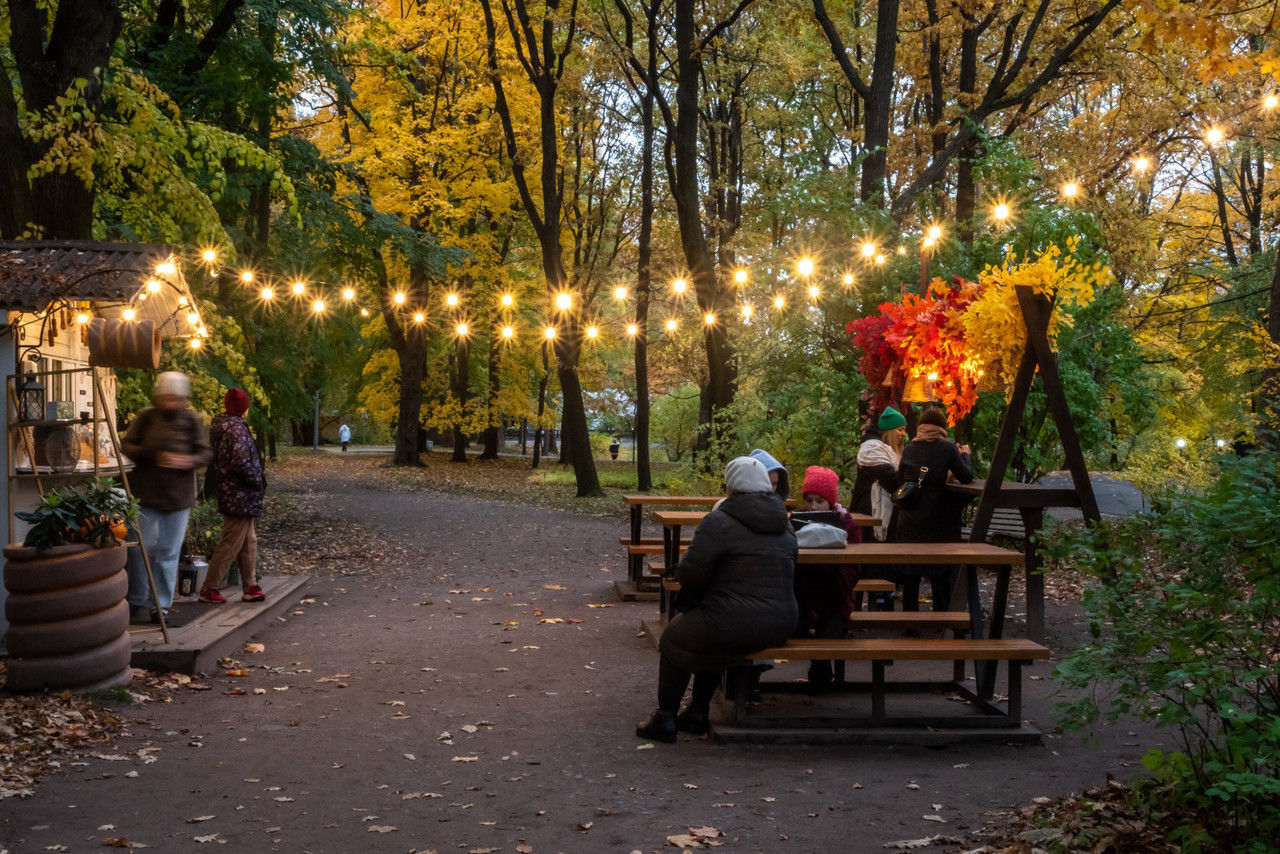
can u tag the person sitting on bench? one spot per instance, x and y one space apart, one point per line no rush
735 597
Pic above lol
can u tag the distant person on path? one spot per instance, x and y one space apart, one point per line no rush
877 477
237 473
344 436
166 443
777 472
735 598
932 459
615 445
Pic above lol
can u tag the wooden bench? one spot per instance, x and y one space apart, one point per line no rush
1006 522
882 652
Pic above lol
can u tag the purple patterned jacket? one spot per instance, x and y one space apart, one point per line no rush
237 467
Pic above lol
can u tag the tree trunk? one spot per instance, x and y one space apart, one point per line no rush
462 369
1270 394
879 109
493 433
542 406
722 372
412 355
966 186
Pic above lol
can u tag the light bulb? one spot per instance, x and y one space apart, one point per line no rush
348 294
508 300
679 286
82 318
154 286
1070 190
880 259
1000 212
419 317
779 302
935 232
129 314
193 318
364 312
462 329
868 249
196 343
1270 102
451 300
740 276
848 278
268 293
632 329
902 250
398 298
182 300
166 268
805 266
709 319
592 332
508 332
813 292
318 306
671 325
620 293
564 300
1214 135
209 256
299 288
746 312
246 276
549 333
1141 165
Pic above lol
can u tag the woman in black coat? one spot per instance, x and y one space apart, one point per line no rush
932 459
736 591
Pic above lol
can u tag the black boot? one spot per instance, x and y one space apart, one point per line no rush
660 727
694 723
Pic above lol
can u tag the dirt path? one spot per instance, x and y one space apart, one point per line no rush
339 743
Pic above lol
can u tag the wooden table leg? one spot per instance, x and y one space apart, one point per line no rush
635 563
1032 522
986 670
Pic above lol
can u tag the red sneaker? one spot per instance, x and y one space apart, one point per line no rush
212 596
253 594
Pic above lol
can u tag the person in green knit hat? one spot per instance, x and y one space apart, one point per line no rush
877 474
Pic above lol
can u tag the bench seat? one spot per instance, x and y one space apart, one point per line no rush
649 541
957 621
1005 522
913 649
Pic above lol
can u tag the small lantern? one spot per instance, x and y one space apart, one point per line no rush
917 390
31 398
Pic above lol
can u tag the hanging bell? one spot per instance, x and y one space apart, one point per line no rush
917 390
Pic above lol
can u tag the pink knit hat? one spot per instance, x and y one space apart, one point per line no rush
822 482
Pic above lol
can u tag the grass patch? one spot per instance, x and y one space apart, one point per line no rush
117 696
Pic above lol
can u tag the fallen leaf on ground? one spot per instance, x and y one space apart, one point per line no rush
200 818
381 828
255 647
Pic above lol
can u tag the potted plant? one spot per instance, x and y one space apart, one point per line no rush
68 618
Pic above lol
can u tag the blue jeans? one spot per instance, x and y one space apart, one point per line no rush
162 534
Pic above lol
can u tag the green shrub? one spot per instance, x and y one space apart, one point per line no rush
1184 610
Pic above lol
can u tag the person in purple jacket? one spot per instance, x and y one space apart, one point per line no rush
237 470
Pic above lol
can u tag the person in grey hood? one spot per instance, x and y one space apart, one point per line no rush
736 597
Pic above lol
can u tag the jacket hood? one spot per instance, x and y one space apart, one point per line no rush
761 512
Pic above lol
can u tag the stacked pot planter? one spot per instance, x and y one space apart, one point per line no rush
68 618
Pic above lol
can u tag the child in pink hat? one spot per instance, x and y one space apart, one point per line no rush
825 592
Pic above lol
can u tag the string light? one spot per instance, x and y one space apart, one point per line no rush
564 300
1214 135
671 325
779 302
348 294
246 276
679 286
209 256
318 306
1270 102
451 300
849 279
880 259
805 266
508 332
508 300
82 318
709 318
740 276
746 312
193 318
549 333
129 314
868 249
620 293
1001 212
364 312
813 292
927 243
1070 190
935 232
419 317
592 332
299 288
1141 164
268 293
166 268
902 250
632 329
462 329
182 300
154 285
398 298
196 343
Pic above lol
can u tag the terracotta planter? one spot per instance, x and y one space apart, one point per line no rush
68 618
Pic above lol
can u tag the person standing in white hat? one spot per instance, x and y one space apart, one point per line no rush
167 442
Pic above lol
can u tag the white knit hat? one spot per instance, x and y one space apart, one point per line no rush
746 474
172 382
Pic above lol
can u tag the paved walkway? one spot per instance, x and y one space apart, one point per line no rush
472 698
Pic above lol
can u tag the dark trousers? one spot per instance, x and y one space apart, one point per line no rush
673 680
831 626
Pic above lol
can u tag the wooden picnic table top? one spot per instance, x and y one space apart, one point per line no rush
683 518
1015 494
976 554
671 500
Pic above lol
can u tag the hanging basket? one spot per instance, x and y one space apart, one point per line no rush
124 344
917 390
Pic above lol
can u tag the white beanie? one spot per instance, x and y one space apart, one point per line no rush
746 474
172 382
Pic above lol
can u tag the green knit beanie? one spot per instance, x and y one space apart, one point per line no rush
890 418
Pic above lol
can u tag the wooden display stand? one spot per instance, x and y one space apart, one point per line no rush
20 433
1029 499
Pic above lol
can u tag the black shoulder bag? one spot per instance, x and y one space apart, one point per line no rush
907 495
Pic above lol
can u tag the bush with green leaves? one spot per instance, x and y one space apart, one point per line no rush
1184 612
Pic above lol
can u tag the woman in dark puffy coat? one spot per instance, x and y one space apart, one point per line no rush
237 472
736 586
932 459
